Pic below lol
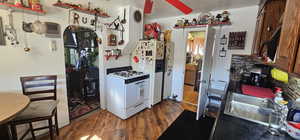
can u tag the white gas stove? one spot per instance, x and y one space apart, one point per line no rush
128 93
129 74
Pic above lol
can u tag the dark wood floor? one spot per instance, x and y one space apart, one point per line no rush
146 125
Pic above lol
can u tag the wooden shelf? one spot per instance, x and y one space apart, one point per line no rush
79 9
16 8
203 25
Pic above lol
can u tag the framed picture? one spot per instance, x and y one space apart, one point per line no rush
222 53
2 36
237 40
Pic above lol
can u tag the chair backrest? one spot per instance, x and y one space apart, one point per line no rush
39 87
219 85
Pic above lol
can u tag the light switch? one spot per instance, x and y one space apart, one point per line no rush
53 46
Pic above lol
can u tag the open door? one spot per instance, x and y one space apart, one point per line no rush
206 71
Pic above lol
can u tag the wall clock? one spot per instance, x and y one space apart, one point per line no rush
137 16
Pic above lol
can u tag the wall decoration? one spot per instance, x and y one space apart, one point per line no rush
18 3
237 40
52 30
49 29
116 53
223 40
115 25
10 31
205 19
123 21
76 18
2 38
218 17
137 16
99 40
39 27
27 27
222 52
79 8
152 31
225 16
168 35
121 42
93 22
112 40
148 6
35 4
84 20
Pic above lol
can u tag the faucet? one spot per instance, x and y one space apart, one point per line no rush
280 111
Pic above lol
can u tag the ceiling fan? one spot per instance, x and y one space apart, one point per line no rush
176 3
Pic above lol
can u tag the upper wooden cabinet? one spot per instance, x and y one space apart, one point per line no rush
297 63
259 33
267 22
289 39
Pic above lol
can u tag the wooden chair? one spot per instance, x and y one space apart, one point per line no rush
43 107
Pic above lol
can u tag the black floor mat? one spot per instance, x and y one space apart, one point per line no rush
186 127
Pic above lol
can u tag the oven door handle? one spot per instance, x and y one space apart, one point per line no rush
140 83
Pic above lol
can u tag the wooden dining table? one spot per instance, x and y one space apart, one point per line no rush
10 105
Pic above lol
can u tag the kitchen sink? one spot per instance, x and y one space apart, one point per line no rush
250 108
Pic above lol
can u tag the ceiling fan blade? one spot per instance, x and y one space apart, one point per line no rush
181 6
148 6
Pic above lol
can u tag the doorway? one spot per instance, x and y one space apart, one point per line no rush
194 55
82 70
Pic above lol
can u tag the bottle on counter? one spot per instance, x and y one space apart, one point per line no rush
278 98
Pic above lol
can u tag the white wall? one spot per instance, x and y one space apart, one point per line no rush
243 19
14 62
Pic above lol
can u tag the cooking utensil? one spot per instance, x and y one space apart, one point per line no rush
121 42
123 21
116 26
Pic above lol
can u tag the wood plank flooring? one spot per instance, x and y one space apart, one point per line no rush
189 95
146 125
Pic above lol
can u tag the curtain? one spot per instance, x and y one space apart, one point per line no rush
196 46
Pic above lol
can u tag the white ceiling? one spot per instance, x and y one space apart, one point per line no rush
164 9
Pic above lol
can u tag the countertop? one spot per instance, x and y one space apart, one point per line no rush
227 127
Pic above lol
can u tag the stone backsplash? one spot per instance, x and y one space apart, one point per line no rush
239 64
243 63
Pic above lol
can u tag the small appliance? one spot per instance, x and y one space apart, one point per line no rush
258 76
294 113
